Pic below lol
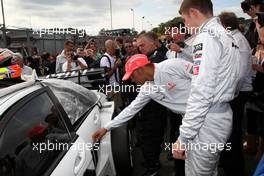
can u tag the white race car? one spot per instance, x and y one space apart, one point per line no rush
46 128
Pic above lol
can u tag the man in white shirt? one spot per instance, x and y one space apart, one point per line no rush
74 63
19 60
61 59
111 63
71 64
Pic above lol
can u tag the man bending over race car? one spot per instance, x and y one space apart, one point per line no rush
167 83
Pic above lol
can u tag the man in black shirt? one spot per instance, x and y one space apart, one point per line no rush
251 34
153 117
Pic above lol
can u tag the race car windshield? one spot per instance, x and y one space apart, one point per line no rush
75 99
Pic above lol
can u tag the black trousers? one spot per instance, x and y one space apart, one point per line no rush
175 121
233 160
151 126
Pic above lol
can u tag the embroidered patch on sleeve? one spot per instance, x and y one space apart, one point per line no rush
171 86
198 47
197 62
196 70
191 70
198 56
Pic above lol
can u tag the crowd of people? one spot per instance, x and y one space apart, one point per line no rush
210 84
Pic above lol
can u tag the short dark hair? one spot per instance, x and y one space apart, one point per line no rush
67 42
150 35
119 39
245 6
128 41
230 20
204 6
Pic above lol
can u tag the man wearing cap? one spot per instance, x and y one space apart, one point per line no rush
167 83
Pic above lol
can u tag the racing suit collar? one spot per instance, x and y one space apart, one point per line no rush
234 31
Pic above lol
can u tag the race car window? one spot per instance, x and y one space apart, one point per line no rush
29 142
75 99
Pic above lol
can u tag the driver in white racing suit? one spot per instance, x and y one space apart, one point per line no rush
207 123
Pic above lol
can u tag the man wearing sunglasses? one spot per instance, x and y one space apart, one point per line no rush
130 50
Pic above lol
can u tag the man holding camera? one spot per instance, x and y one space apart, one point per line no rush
74 62
111 62
61 59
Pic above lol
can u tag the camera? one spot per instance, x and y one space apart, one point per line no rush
75 57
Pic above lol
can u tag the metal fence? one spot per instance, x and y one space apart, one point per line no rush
27 40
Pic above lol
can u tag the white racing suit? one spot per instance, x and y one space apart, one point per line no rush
207 123
170 88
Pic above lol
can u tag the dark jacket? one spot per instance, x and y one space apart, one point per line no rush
158 55
252 35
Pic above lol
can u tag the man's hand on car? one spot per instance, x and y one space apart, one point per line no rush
99 134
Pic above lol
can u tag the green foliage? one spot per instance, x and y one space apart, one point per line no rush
160 30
